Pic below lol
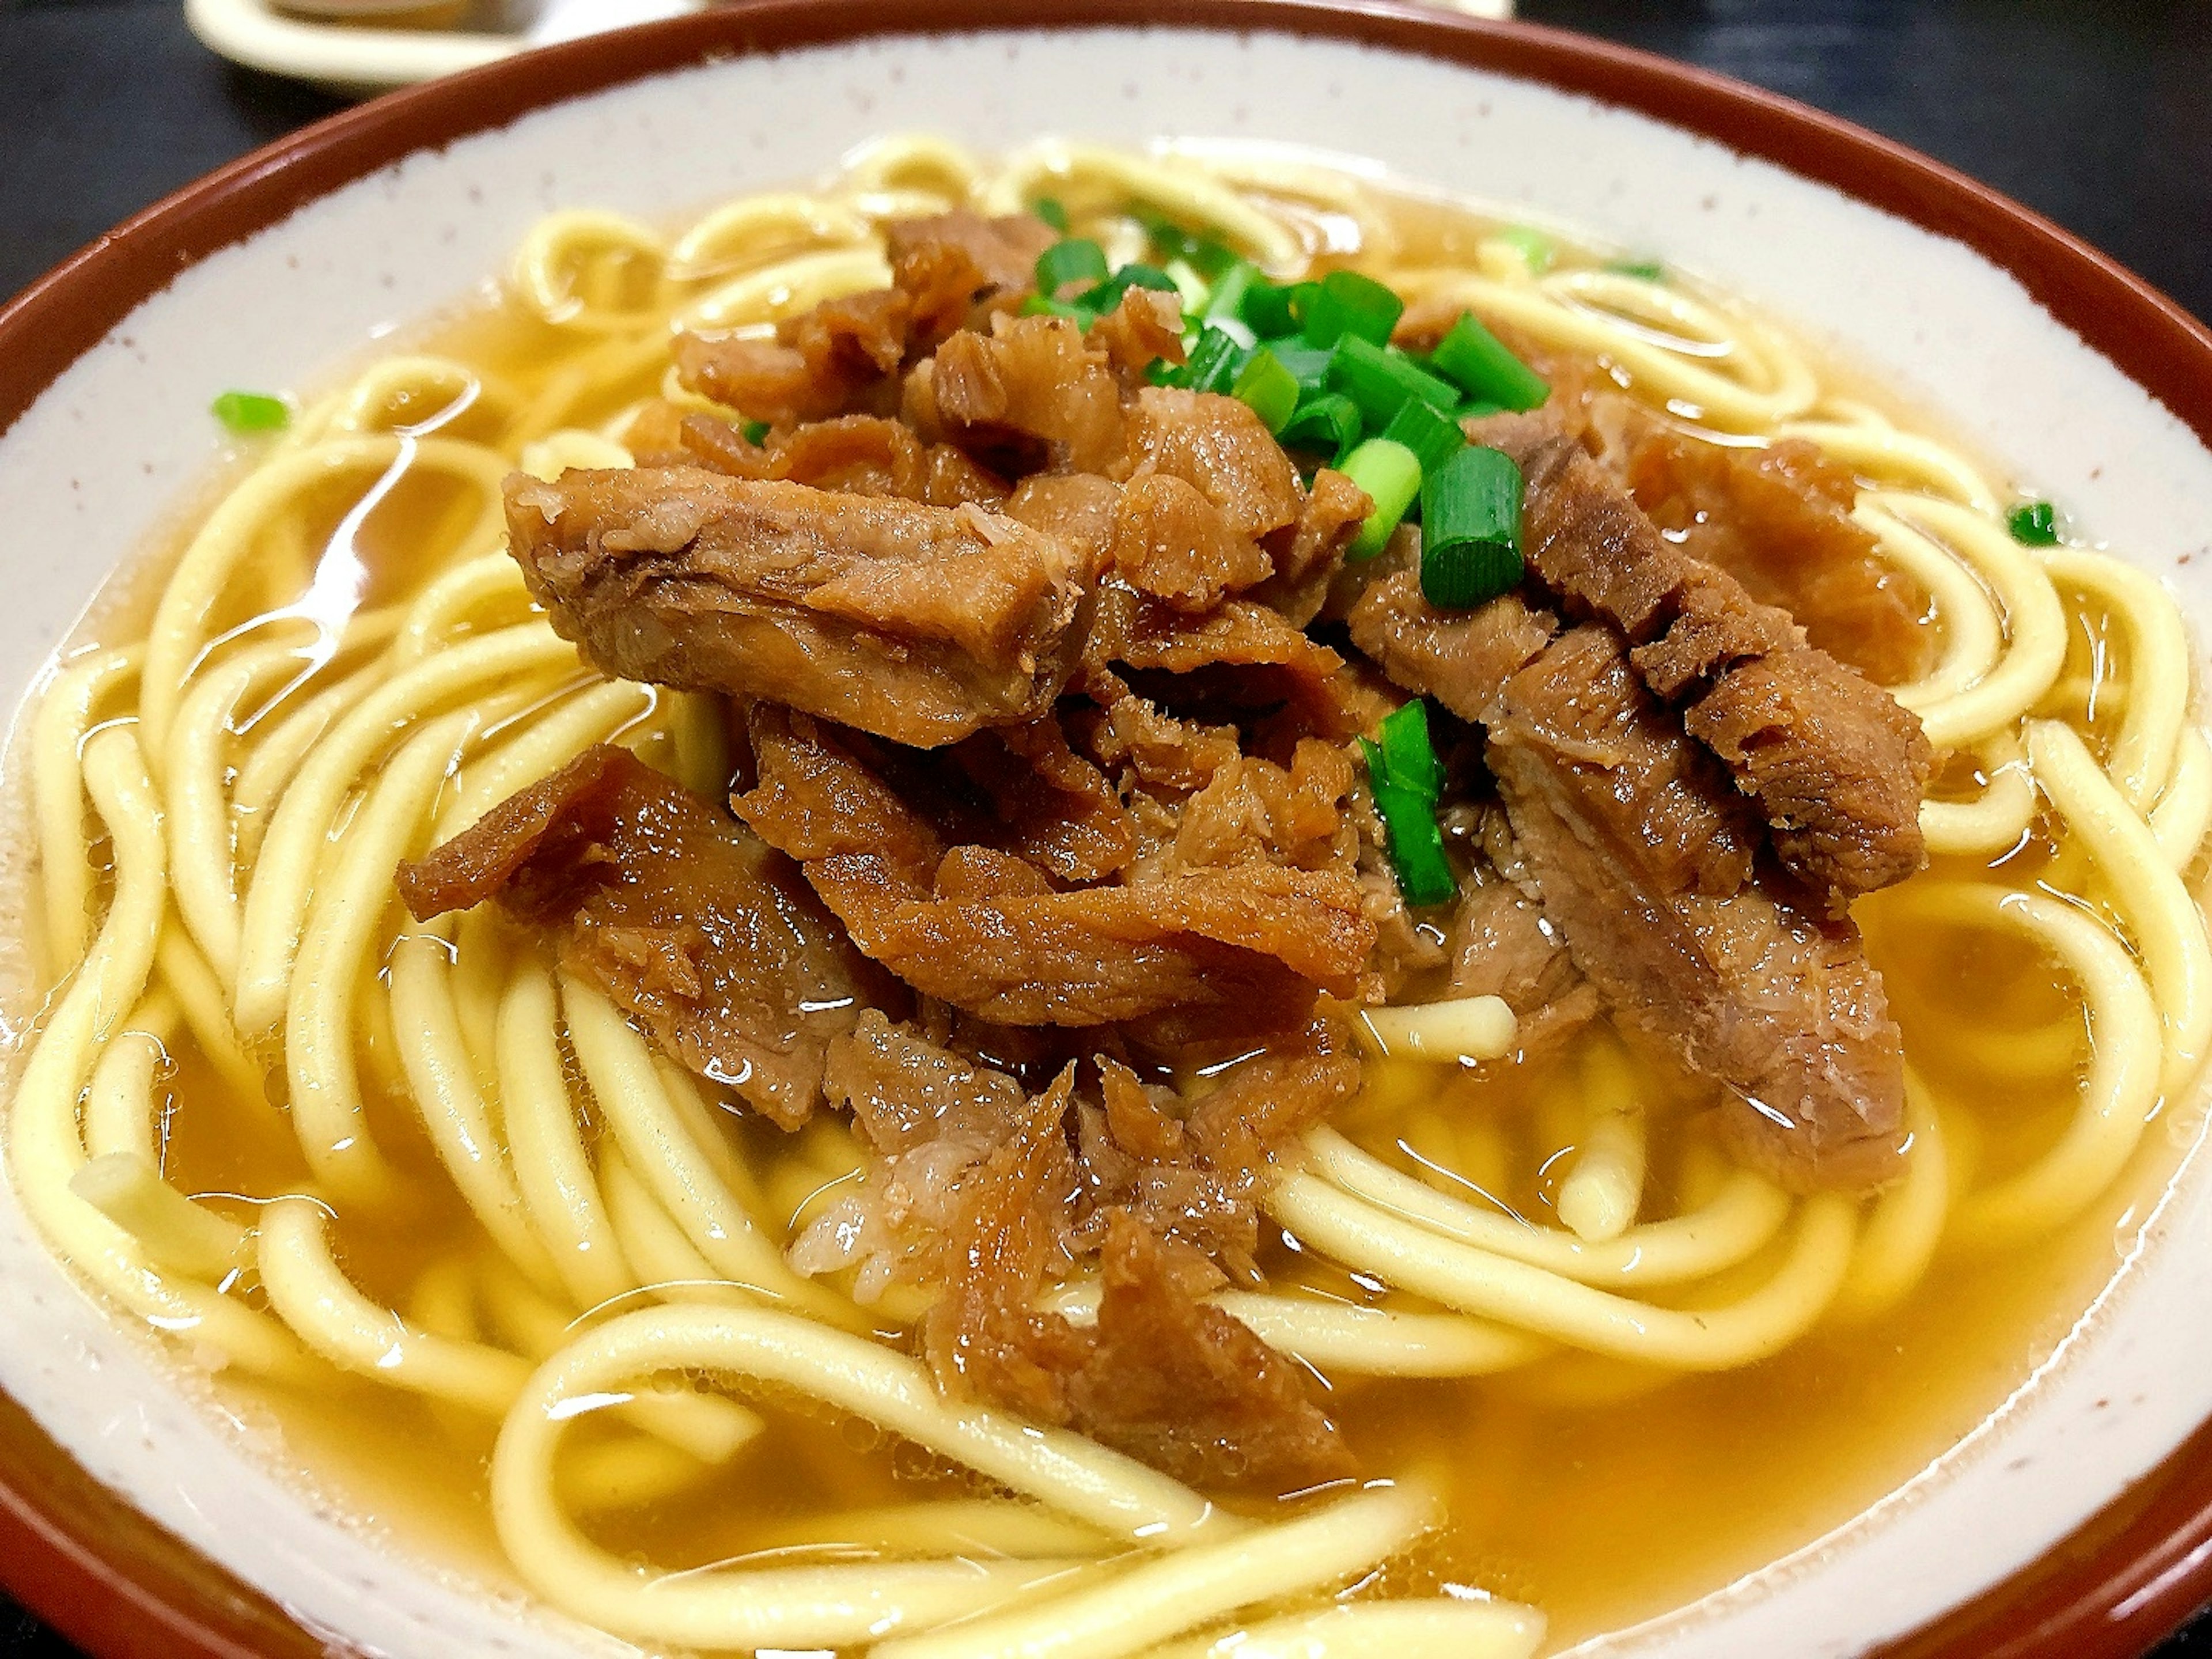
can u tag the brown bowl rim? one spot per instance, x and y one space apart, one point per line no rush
119 1585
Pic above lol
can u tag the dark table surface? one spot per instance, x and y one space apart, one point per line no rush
2098 113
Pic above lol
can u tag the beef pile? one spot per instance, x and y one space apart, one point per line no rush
1044 680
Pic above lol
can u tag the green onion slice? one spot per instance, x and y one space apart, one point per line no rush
1270 308
2033 523
1477 361
1048 208
1471 529
1226 297
248 412
1345 303
1381 378
1645 270
1214 362
1391 475
1325 422
1537 251
1209 256
1409 755
1268 388
1406 779
1108 295
755 432
1078 259
1433 437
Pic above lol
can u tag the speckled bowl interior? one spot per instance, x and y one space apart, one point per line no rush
120 438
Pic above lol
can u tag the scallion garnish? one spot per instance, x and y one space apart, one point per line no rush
1344 304
1536 250
1391 475
1268 389
1477 361
1405 779
249 412
1270 308
1048 208
2033 523
1108 295
1470 528
1434 438
755 431
1078 259
1326 422
1214 360
1226 297
1645 270
1207 255
1380 379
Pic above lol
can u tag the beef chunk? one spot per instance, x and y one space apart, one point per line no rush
1001 252
1218 445
1778 520
704 935
816 365
1034 393
1502 945
1647 863
1837 766
1258 938
1172 543
985 1197
921 623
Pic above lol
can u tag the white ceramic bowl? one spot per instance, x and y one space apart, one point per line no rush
401 208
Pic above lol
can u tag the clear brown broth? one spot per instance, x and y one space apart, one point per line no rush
1604 1497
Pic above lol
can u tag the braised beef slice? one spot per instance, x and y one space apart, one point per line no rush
1033 394
1779 519
987 1185
818 365
1218 445
1002 252
1172 543
1645 862
1836 765
1259 937
683 919
921 623
1502 945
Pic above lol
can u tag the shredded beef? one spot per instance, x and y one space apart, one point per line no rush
1034 393
816 365
985 1197
682 917
921 623
1259 937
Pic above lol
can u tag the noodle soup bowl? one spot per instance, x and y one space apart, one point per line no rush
2075 1520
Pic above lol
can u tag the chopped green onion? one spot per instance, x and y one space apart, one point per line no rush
1391 477
1416 845
1161 372
1471 528
1380 379
1479 363
1207 255
1214 360
1226 297
1042 305
1645 270
1477 411
1270 308
1344 304
1327 423
1108 295
1308 365
755 431
1078 259
2035 523
1048 208
1536 250
1189 283
1268 388
1409 756
246 413
1433 438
